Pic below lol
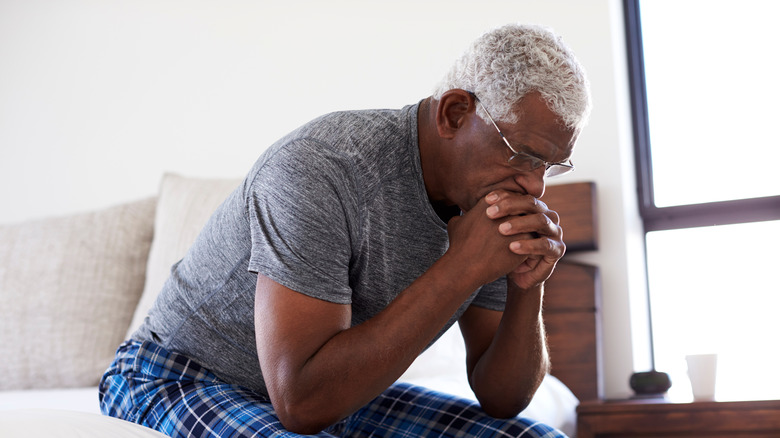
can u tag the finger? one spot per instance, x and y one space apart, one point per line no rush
554 217
532 272
550 249
536 225
528 265
502 203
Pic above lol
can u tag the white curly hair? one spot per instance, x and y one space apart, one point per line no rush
506 63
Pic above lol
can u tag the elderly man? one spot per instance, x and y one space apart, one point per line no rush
353 244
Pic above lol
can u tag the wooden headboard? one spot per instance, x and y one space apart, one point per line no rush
572 294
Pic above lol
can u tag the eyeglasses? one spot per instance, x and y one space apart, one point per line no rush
525 162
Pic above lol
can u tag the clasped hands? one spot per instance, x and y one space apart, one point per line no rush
508 233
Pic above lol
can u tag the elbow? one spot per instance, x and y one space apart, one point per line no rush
302 420
506 409
302 426
503 402
304 409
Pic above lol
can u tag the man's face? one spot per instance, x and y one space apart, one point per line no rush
482 164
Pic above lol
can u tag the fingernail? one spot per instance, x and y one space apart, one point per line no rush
514 246
492 210
505 227
491 197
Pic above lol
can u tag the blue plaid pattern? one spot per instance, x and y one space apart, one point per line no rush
170 393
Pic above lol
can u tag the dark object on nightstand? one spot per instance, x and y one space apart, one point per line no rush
650 383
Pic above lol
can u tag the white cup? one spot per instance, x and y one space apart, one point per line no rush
702 369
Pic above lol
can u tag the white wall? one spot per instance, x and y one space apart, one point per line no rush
99 97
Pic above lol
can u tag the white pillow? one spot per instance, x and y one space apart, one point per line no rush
184 206
445 358
68 288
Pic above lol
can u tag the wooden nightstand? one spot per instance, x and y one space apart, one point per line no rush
660 418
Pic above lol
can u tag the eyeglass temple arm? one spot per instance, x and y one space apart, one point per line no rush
493 122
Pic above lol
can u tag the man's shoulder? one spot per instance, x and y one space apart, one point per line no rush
366 120
353 134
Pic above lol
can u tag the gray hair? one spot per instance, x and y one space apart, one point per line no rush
507 63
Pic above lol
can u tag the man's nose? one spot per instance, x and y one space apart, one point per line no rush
532 181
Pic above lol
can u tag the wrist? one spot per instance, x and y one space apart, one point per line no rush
531 296
464 275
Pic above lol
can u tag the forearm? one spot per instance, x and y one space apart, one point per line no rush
330 357
357 363
508 373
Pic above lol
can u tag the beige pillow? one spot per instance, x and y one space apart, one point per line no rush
68 288
183 208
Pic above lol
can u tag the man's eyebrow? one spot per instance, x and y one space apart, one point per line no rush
527 149
524 148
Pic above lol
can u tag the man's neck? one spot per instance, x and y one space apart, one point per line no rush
429 151
444 211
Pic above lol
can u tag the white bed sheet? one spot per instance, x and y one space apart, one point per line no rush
442 367
74 399
46 423
554 404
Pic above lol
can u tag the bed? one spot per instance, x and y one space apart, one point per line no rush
570 309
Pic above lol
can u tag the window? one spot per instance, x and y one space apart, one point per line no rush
704 98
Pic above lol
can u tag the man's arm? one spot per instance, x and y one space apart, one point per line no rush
318 369
507 355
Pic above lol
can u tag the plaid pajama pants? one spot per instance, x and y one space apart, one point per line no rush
170 393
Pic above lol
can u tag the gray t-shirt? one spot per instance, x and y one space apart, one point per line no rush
336 210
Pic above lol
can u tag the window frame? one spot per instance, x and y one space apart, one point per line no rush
682 216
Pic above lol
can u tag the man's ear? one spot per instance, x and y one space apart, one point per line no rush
452 109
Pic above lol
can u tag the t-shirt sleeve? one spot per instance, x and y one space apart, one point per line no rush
492 295
301 206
